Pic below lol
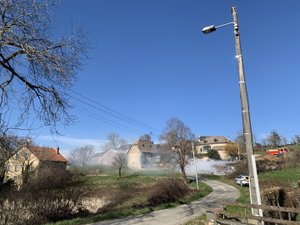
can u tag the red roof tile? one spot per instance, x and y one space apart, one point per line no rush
47 154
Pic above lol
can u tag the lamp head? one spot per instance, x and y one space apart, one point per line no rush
209 29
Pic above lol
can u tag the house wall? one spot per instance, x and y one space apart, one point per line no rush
18 162
97 159
220 147
149 160
53 165
134 157
143 154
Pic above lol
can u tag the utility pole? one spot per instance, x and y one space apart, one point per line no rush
247 130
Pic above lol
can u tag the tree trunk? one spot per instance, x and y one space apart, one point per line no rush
120 172
182 169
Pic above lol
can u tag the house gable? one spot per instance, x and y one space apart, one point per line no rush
143 154
31 157
17 162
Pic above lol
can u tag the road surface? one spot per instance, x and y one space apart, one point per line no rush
183 213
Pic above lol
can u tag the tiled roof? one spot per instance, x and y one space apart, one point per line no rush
47 154
213 139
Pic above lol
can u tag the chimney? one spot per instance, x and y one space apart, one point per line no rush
57 150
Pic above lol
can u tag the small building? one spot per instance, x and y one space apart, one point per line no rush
143 154
97 158
32 158
218 143
108 157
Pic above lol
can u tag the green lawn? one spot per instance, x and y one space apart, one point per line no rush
136 187
286 175
289 175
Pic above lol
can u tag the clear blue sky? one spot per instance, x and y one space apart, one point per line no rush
150 62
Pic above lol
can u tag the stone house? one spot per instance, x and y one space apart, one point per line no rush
143 154
30 158
218 143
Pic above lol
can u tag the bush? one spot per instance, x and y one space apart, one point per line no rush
213 154
282 197
292 159
168 190
46 197
241 167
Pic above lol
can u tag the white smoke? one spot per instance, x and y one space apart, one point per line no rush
207 167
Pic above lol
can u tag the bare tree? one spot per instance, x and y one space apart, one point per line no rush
240 141
232 150
114 142
178 137
284 140
36 69
274 138
8 145
296 139
120 162
81 156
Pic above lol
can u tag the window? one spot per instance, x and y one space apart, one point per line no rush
17 156
26 156
9 168
18 168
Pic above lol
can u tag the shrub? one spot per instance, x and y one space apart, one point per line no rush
46 197
241 167
168 190
292 159
283 197
213 154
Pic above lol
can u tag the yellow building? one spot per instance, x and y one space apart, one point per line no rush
30 158
218 143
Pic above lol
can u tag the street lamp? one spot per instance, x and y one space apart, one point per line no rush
212 28
254 186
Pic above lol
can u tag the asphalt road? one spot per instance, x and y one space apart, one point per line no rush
183 213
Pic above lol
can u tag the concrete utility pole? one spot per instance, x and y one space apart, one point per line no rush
254 187
247 130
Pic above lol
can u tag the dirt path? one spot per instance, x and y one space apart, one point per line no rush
182 213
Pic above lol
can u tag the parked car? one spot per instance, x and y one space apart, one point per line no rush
242 180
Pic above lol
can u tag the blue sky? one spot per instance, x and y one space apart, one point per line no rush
150 61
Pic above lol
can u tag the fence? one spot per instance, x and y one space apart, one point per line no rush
225 217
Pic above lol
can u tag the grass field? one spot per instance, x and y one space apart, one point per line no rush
285 177
137 181
288 175
131 191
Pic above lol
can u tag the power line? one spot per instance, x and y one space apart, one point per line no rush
116 113
112 113
107 121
